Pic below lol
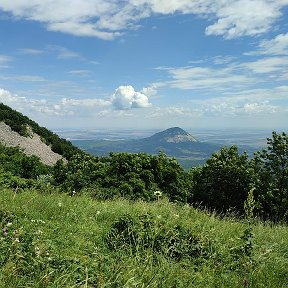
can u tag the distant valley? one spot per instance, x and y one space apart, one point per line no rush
188 149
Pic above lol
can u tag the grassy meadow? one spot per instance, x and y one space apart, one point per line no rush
55 240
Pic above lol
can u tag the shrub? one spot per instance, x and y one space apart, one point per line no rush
144 232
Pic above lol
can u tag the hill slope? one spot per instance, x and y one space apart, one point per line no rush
62 241
172 135
31 145
18 130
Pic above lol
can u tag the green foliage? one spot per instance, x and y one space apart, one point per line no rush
145 232
156 244
249 205
8 180
19 123
132 176
271 168
223 182
18 170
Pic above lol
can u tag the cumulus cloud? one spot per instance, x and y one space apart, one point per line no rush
109 19
125 98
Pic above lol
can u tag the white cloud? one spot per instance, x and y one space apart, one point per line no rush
276 46
62 107
175 112
232 75
247 102
267 65
84 102
125 98
64 53
31 51
149 91
81 73
244 17
207 78
109 19
4 59
253 108
7 97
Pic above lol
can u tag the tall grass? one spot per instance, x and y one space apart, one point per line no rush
61 241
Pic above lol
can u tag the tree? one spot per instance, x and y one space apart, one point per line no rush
223 182
271 167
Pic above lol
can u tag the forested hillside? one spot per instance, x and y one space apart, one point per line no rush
21 124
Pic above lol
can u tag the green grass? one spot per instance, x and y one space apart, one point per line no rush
60 241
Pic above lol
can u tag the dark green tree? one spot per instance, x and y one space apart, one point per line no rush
223 182
271 170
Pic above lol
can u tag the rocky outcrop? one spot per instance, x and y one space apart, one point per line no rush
31 145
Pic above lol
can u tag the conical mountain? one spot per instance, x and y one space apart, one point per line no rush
172 135
175 142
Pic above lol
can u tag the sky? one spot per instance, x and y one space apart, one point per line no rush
142 64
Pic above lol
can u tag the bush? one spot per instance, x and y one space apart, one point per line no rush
144 232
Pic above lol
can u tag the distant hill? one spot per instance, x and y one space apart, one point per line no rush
18 130
175 142
172 135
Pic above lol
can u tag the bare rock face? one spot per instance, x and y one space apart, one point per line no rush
31 145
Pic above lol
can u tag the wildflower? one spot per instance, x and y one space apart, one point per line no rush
59 204
9 224
98 212
73 193
37 251
15 240
4 232
158 193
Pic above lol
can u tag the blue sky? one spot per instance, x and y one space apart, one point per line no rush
146 63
